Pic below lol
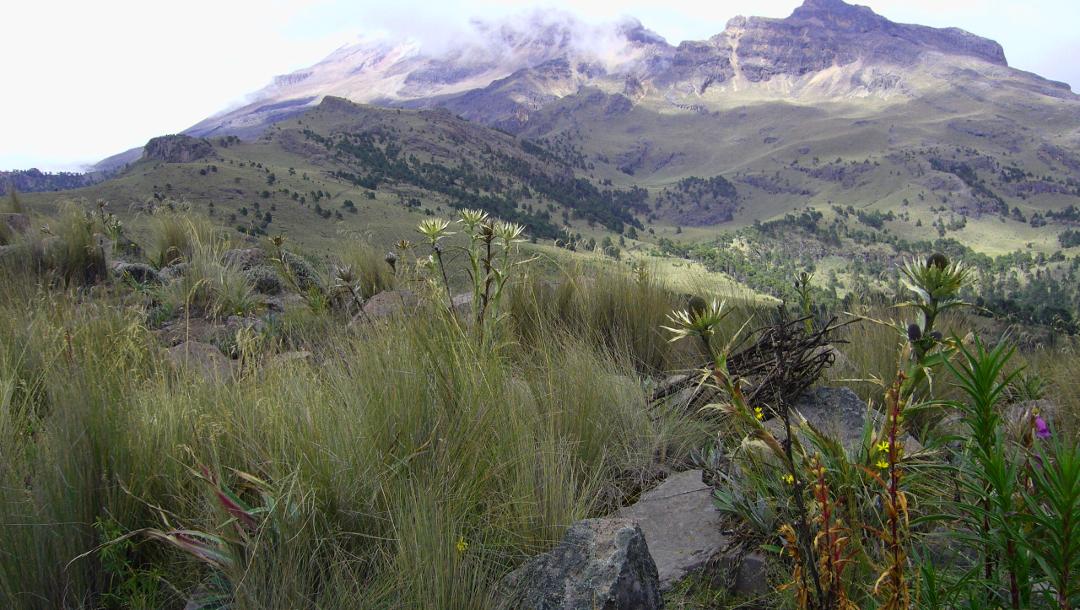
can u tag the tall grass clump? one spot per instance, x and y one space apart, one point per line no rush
406 465
174 236
12 203
210 286
374 273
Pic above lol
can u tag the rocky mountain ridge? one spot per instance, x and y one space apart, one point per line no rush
826 50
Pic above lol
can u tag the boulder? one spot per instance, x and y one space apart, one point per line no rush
244 258
264 279
174 271
751 578
302 272
601 564
388 303
235 324
202 358
840 414
682 525
140 273
17 223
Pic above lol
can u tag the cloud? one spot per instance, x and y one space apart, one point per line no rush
88 79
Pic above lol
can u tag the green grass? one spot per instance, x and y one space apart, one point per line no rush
400 441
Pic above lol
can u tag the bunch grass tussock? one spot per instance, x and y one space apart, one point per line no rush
407 464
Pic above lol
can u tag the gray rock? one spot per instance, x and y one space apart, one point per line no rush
601 564
751 578
388 303
139 273
244 258
202 358
681 523
840 414
264 279
302 272
174 271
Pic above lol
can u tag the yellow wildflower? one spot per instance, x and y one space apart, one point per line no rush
759 414
883 464
789 479
461 545
883 446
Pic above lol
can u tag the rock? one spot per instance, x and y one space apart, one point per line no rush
282 302
681 524
302 272
202 358
234 324
17 223
264 279
601 564
751 579
175 332
177 149
140 273
840 414
388 303
174 271
244 258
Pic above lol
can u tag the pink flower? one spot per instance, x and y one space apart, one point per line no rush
1041 429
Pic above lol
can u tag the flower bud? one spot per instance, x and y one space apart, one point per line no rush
914 333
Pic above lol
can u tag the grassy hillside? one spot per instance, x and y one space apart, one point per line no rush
321 453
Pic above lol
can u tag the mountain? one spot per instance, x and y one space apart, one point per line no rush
826 50
832 108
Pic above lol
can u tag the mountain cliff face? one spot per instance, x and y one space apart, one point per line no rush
827 50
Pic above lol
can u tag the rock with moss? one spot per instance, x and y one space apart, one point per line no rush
264 279
301 272
244 258
140 273
174 271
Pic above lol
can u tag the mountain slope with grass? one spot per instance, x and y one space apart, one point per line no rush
833 105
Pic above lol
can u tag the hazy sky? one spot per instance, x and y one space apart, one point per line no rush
84 79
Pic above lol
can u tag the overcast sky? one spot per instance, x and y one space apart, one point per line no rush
84 79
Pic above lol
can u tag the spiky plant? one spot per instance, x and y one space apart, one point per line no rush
698 322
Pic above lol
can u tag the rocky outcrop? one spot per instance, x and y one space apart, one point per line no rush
177 149
601 564
824 33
